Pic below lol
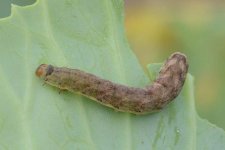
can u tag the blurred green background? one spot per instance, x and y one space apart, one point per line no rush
156 28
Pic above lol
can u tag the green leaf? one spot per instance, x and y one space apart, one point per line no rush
88 35
209 136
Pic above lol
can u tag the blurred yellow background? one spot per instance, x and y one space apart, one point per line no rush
156 28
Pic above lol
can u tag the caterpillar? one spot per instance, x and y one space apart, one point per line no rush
154 97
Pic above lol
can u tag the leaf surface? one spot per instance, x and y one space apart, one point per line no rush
88 35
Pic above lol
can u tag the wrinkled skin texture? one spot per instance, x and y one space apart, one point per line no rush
163 90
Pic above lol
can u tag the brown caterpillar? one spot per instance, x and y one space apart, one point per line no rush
153 97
